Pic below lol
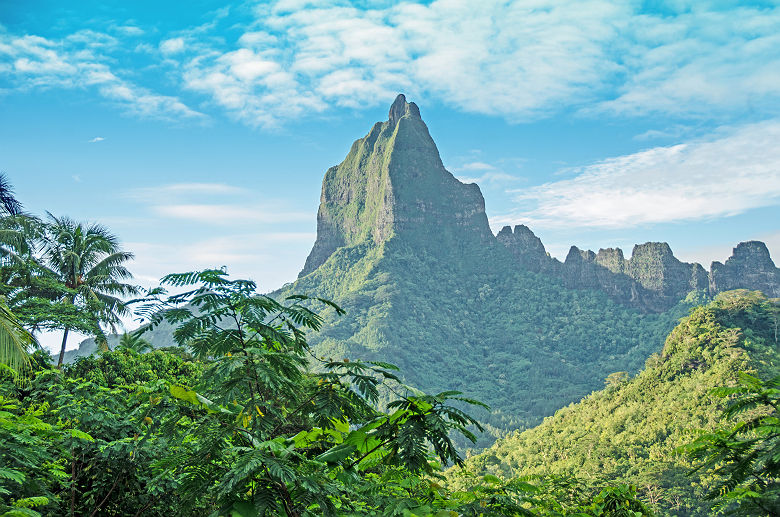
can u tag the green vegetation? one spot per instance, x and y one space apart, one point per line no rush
246 429
406 249
283 405
745 457
286 405
62 275
519 341
632 431
88 262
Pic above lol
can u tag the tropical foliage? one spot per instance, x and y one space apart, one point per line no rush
633 430
745 457
61 275
88 261
524 344
247 427
242 416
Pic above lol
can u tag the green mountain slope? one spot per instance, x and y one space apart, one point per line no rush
406 249
630 430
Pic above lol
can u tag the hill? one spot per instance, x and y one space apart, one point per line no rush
630 430
406 249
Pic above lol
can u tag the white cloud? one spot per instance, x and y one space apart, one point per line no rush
95 140
491 175
196 202
700 60
228 214
80 61
174 192
247 255
130 30
677 131
172 46
475 166
519 60
725 175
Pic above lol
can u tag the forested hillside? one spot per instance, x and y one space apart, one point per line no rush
631 431
516 340
406 249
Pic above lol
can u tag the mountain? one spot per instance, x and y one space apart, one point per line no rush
653 279
629 431
406 249
393 182
749 266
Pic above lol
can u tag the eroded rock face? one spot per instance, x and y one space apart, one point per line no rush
749 267
653 279
584 269
528 249
393 182
654 267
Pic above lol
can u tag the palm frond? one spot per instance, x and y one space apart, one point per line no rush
8 203
16 343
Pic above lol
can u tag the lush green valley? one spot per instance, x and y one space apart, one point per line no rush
518 341
633 429
406 249
242 428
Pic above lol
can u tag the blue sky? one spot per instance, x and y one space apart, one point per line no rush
200 136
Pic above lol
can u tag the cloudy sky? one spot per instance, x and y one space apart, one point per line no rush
200 136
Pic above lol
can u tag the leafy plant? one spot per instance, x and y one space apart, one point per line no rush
745 457
266 433
87 260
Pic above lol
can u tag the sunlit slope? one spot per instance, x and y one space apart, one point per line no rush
406 249
630 430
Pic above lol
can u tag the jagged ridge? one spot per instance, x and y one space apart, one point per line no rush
653 279
406 249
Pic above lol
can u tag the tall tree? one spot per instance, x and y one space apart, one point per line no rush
89 261
9 205
16 343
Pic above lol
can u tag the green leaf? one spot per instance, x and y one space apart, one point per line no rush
81 435
243 509
12 475
337 454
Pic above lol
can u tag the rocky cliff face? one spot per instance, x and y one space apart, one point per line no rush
749 267
653 279
654 267
393 182
528 250
605 271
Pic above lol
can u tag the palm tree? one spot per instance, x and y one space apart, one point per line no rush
8 203
19 232
90 263
16 230
133 341
16 343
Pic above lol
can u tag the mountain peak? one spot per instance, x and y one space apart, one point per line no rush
400 107
393 183
749 266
